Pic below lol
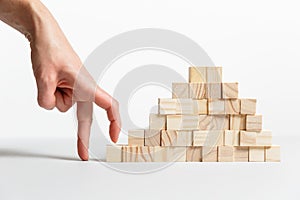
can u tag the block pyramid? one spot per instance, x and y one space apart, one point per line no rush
204 121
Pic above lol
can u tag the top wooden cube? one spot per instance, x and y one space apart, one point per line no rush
205 74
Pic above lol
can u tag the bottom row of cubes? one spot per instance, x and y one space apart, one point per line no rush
192 154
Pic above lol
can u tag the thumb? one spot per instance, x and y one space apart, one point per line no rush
46 94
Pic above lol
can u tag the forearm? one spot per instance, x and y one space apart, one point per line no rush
30 17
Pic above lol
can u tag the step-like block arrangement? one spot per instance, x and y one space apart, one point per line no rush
204 121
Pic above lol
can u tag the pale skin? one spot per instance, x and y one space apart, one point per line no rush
60 76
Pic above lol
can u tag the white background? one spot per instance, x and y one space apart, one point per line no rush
256 42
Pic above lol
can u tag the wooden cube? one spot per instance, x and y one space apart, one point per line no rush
138 154
200 107
241 154
182 122
248 138
230 90
176 138
217 122
194 154
214 90
113 153
256 154
208 138
167 106
237 122
170 154
216 106
199 138
185 106
214 75
209 154
231 138
232 106
180 90
157 122
253 122
248 106
197 74
264 138
152 137
136 137
198 91
272 154
225 154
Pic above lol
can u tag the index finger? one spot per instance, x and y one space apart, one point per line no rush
105 101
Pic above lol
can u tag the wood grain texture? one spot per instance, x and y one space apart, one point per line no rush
272 154
157 122
152 137
197 74
214 90
237 122
208 138
170 154
180 90
241 154
182 122
136 137
253 122
248 106
194 154
113 153
137 154
264 138
185 106
230 90
216 106
209 154
232 106
232 138
167 106
176 138
219 122
200 107
225 154
214 75
248 138
198 91
256 154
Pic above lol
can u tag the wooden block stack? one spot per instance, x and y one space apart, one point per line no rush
204 121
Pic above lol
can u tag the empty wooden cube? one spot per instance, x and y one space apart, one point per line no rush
230 90
180 90
264 138
138 154
256 154
209 154
253 122
197 74
194 154
214 74
176 138
136 137
232 106
225 153
167 106
248 138
272 154
237 122
200 107
198 91
152 137
241 154
157 122
248 106
169 154
113 153
217 122
214 90
182 122
216 106
231 138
